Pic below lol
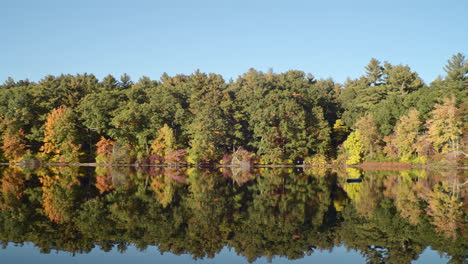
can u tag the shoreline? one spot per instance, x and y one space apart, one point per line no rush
368 166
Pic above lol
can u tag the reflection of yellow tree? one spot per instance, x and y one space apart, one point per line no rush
353 189
368 198
339 200
163 187
364 195
445 209
318 166
407 202
403 191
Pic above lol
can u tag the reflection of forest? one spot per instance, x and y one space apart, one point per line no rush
390 217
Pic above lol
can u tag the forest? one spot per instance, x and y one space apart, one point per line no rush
387 114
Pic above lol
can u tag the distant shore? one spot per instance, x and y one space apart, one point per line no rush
365 166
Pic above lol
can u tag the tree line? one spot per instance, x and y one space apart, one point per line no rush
389 113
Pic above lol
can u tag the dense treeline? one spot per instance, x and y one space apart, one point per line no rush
388 113
391 217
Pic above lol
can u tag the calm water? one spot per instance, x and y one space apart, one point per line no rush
82 215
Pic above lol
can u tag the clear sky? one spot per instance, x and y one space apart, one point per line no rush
326 38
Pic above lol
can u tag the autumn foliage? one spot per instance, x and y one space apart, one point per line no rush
104 150
61 140
13 141
14 145
12 186
444 128
58 191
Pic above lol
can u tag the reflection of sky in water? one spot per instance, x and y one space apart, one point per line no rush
29 254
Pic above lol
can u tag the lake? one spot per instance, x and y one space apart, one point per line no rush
114 214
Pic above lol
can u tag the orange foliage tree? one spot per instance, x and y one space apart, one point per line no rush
13 141
104 150
103 180
61 136
14 146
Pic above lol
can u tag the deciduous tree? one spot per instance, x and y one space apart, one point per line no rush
444 127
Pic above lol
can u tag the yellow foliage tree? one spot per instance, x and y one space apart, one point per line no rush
164 142
444 128
405 136
354 148
369 135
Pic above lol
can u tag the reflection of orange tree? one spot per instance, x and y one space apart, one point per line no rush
405 196
58 193
103 179
12 182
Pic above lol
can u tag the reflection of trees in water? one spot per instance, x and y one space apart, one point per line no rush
285 219
444 208
13 185
104 180
274 213
119 175
59 192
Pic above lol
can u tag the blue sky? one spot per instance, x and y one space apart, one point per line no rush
326 38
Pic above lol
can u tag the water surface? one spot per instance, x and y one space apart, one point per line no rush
87 215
